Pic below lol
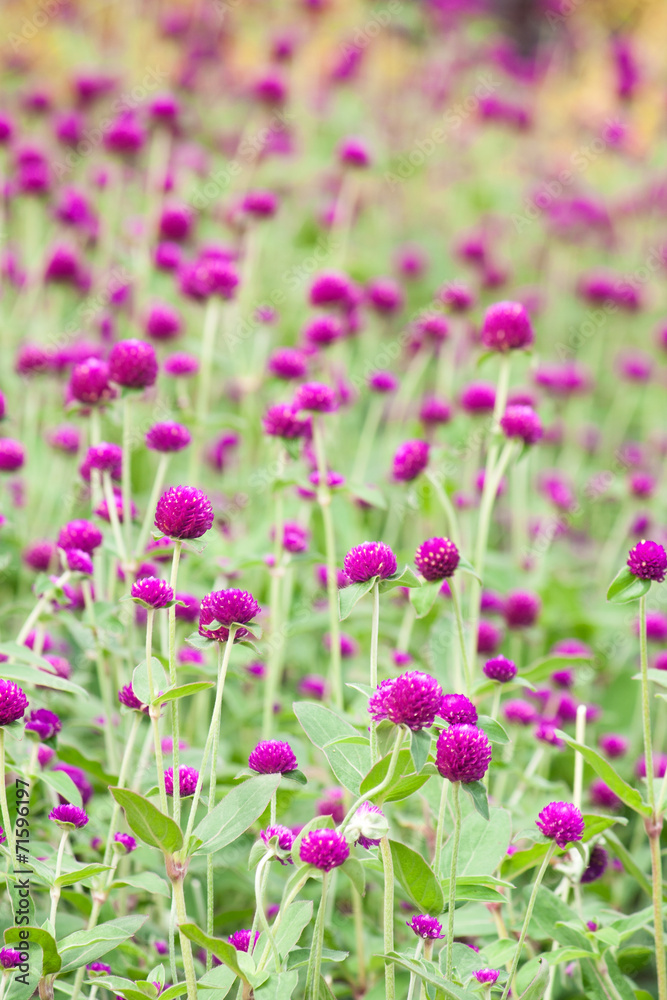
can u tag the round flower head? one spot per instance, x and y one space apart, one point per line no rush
506 327
79 561
69 817
163 322
331 805
9 958
80 534
12 455
489 637
603 796
486 976
370 825
315 396
180 364
499 669
385 296
282 421
272 757
79 779
324 849
521 609
425 927
183 512
562 822
614 745
285 839
43 723
223 608
288 363
410 459
168 436
323 330
39 555
597 865
412 699
463 753
382 382
89 382
127 697
126 841
133 364
13 702
521 422
187 781
65 438
434 410
330 288
369 559
456 708
478 397
99 969
648 561
659 765
152 592
241 939
437 558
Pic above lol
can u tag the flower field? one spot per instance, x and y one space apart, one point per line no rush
333 625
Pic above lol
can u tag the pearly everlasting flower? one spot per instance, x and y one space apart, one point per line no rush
152 592
223 608
183 512
187 781
324 849
463 753
69 817
425 927
412 699
648 561
369 559
437 558
410 460
13 702
500 669
562 822
506 327
456 708
167 437
272 757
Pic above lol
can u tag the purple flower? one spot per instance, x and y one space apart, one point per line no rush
486 976
152 592
426 927
321 331
99 968
187 781
521 609
353 152
126 841
456 709
435 411
315 396
78 777
9 958
479 397
168 436
489 637
648 561
324 849
288 363
224 608
163 322
39 555
13 702
437 558
382 382
368 560
332 805
313 686
180 364
330 288
521 422
506 327
65 438
282 421
89 382
384 295
285 840
43 723
12 455
295 537
188 611
68 816
603 796
412 699
133 364
272 757
127 697
79 561
365 821
562 822
499 669
241 939
183 512
597 865
410 459
613 745
80 534
463 753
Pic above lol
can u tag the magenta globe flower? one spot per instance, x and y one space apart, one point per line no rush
324 849
13 702
368 560
412 699
241 939
486 976
410 459
151 592
43 723
648 561
463 753
89 382
12 455
521 422
183 512
133 364
316 397
500 669
80 534
69 817
168 437
437 559
283 421
9 957
187 781
456 708
126 842
507 327
224 608
425 927
521 609
272 757
562 822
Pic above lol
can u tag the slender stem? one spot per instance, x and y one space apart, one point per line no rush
646 704
55 890
658 920
276 608
273 809
113 517
413 977
41 605
284 907
495 704
175 729
439 830
580 736
526 920
358 915
453 587
126 472
375 633
367 439
452 878
6 820
186 947
122 775
388 865
211 319
102 677
324 500
383 784
447 506
312 990
260 882
154 713
158 483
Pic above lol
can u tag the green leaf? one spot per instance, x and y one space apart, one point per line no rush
379 771
493 730
628 862
292 925
539 669
86 946
149 882
407 578
420 747
369 494
184 691
550 920
226 952
70 755
430 973
658 677
80 874
300 957
483 844
423 598
603 768
140 680
51 960
63 785
354 870
417 878
594 824
296 775
626 587
219 979
322 726
477 792
468 568
537 985
149 824
464 960
474 888
279 986
12 671
198 641
349 596
631 960
239 809
178 990
523 861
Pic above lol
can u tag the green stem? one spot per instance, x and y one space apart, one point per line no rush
375 634
260 883
447 506
154 713
312 990
324 500
102 677
211 320
461 633
658 920
126 472
186 947
388 913
6 820
55 890
646 704
284 907
526 920
276 608
113 518
358 914
158 483
439 829
367 439
452 879
383 784
413 977
175 728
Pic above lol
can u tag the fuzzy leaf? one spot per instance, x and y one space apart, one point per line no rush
537 986
238 810
477 792
626 587
417 878
493 730
86 946
351 595
483 844
140 680
146 820
51 960
604 770
407 578
226 952
420 747
423 598
184 691
354 870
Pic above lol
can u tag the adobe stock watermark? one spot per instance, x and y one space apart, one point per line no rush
30 27
453 118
